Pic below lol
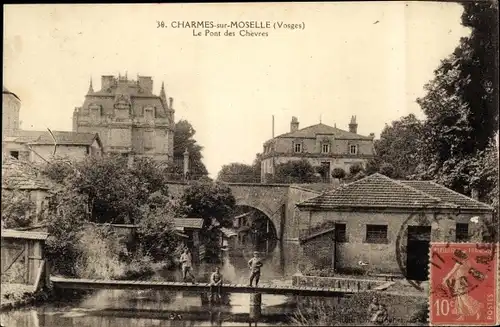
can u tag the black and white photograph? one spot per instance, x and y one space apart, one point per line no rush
250 164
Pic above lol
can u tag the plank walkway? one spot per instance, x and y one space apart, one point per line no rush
69 283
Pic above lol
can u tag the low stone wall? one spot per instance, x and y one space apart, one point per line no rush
336 282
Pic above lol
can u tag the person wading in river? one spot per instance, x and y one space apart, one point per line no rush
186 262
216 283
255 263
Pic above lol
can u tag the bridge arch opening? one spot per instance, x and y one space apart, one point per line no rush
256 231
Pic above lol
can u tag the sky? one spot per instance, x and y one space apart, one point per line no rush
369 59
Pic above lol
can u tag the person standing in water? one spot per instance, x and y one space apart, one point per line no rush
186 262
255 264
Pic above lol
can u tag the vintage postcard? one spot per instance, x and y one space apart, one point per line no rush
250 164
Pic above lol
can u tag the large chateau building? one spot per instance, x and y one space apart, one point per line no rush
322 145
129 118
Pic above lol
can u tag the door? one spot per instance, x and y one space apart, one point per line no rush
417 252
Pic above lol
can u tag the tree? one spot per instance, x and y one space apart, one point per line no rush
372 166
213 202
207 201
183 139
356 168
18 210
338 173
295 171
399 145
156 231
461 103
388 170
238 173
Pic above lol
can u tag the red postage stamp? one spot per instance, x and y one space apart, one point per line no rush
463 284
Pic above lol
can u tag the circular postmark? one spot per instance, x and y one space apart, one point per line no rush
441 227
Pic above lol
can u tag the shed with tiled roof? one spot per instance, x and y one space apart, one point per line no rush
387 224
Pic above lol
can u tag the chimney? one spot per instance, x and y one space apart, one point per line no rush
353 126
294 125
145 83
107 81
170 103
474 194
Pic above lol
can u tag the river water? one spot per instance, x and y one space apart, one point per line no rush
124 308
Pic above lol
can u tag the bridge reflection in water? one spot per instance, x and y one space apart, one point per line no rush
126 309
119 308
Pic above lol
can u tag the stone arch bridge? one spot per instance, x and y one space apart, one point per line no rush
276 201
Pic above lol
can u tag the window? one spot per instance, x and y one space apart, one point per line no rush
340 234
462 232
88 150
353 149
14 154
376 233
297 147
325 148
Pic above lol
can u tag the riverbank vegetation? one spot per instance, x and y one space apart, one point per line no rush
91 194
352 310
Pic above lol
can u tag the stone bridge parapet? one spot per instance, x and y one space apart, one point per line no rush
276 201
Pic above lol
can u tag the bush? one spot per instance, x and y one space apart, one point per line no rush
156 234
18 210
421 314
388 170
338 173
356 168
99 254
353 310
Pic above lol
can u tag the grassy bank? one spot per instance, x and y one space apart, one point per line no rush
352 310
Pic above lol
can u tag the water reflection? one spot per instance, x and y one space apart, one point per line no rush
122 308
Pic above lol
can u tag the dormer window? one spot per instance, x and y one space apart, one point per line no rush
297 147
325 148
353 149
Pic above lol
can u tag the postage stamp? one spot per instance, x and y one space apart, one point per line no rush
463 284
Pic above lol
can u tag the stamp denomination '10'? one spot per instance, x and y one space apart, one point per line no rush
463 284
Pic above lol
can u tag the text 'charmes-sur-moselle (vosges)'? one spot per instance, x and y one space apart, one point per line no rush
231 28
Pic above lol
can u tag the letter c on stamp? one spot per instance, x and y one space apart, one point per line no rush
463 284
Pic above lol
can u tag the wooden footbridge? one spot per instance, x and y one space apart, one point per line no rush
68 283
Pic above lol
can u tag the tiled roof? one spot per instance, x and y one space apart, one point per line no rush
376 191
196 223
63 138
447 194
22 175
319 187
312 131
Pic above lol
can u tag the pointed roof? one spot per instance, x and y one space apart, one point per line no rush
376 191
312 131
6 91
91 88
